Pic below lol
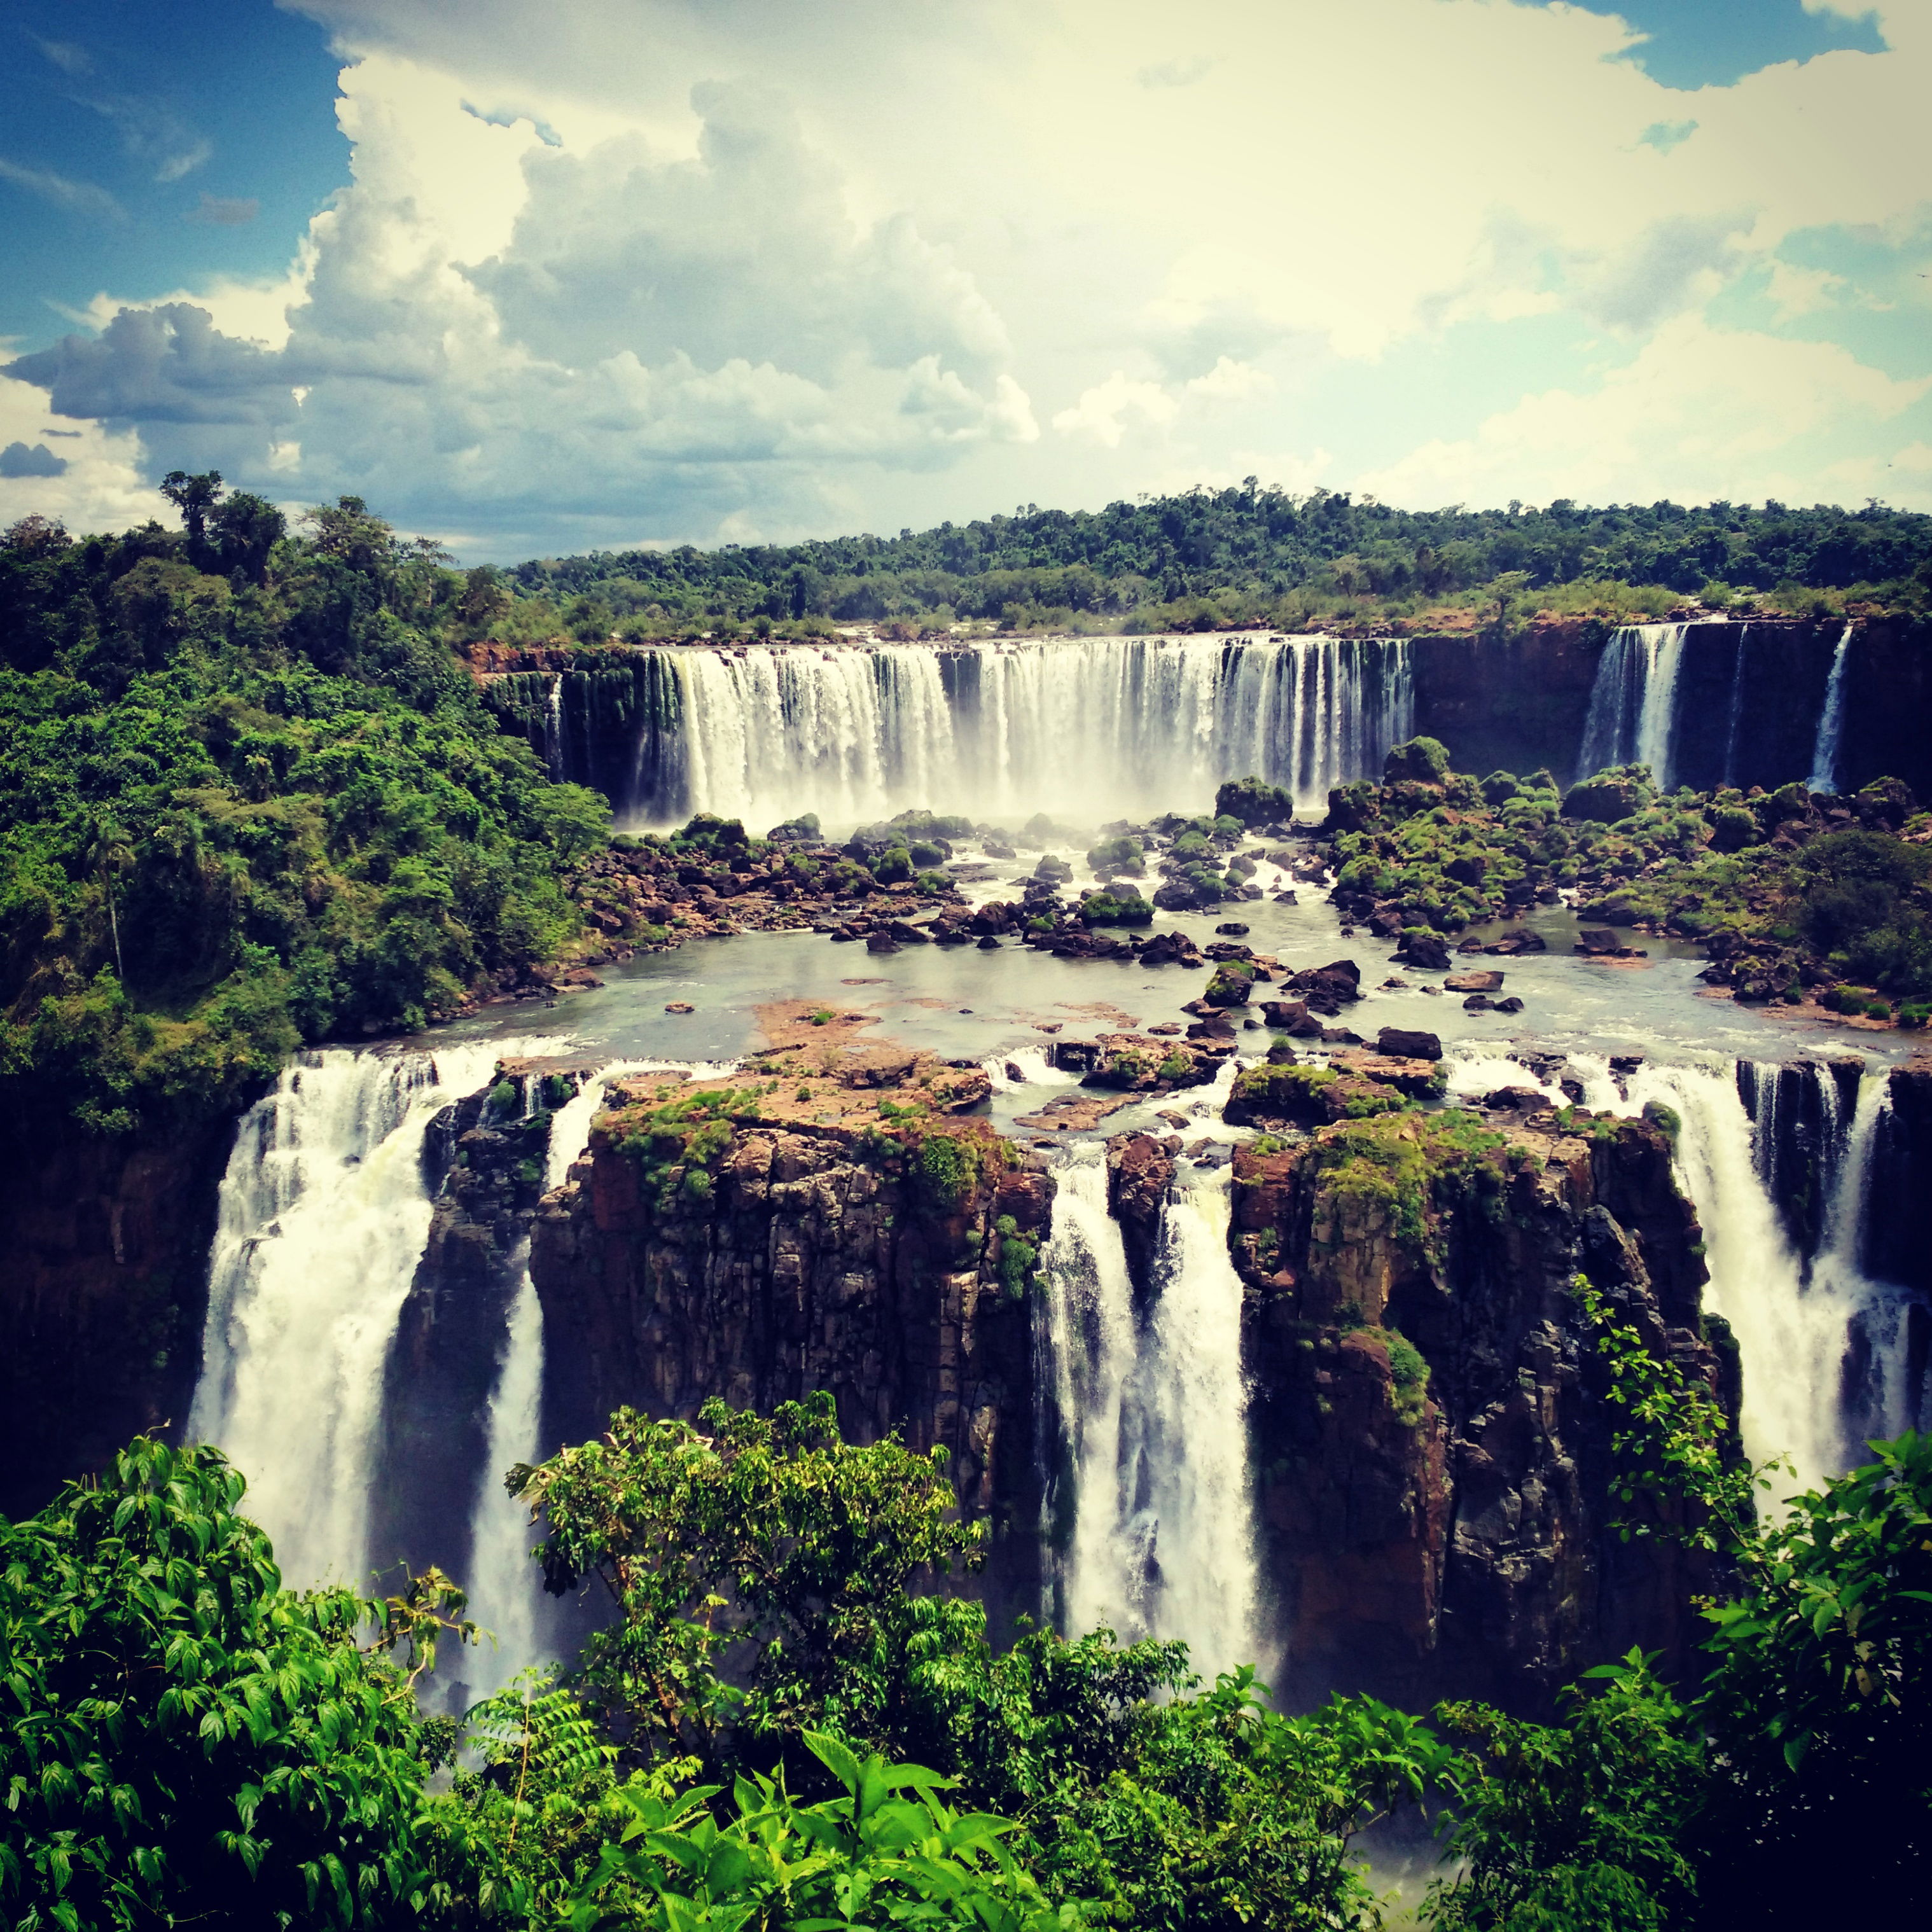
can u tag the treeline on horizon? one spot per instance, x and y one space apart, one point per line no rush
1206 560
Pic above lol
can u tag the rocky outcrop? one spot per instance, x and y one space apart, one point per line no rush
808 1230
1140 1171
1431 1433
483 1156
102 1291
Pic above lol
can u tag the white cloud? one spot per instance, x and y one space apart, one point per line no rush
1698 413
1103 412
101 487
634 266
82 197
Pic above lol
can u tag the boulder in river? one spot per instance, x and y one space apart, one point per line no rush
1486 980
1421 947
1409 1043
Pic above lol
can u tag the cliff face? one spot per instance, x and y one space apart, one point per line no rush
865 1239
102 1291
1749 698
1432 1441
1896 1249
484 1157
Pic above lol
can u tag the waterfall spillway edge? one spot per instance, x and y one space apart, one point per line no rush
1126 725
322 1214
1153 1409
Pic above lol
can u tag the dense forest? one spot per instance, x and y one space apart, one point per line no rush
1210 558
247 798
781 1725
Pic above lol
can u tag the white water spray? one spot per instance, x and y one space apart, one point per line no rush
322 1214
1633 713
1154 1411
1090 727
1830 722
505 1591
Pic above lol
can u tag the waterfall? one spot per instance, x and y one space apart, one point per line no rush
1153 1417
557 756
1776 1162
1830 722
322 1212
1090 727
1633 713
505 1588
1790 1342
504 1591
1734 715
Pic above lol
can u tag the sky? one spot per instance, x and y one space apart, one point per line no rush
601 273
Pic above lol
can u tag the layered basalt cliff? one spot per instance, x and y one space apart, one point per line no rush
834 1220
483 1160
1749 697
105 1281
1431 1441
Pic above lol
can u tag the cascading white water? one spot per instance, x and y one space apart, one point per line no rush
1154 1412
555 757
1632 714
1791 1343
1090 727
1792 1321
1831 721
504 1589
322 1214
1734 714
1091 1353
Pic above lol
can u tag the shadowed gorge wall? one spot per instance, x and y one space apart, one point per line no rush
1431 1443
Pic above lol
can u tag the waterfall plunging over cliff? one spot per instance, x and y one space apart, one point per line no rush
1777 1159
322 1214
1153 1409
1831 721
1091 727
1632 714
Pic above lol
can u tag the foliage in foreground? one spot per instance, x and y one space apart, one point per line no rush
185 1742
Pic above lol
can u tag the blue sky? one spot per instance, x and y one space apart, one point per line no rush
620 271
155 147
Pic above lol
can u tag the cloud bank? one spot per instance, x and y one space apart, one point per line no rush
626 271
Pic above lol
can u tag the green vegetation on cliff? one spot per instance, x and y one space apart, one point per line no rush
247 798
1210 558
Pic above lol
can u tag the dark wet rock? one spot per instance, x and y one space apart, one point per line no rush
1140 1171
1405 1043
1428 950
1429 1409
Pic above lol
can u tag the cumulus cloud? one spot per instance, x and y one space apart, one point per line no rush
634 268
614 323
17 459
99 484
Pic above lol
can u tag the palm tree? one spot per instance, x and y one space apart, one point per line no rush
107 851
